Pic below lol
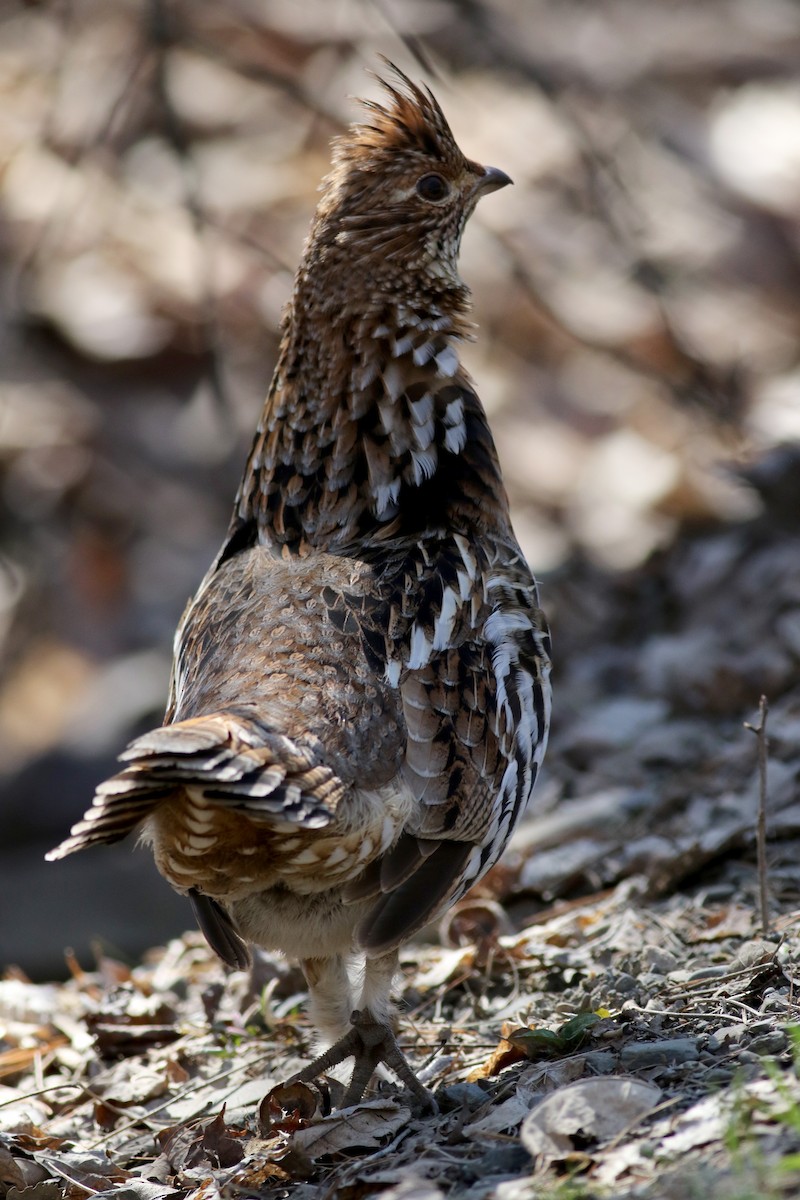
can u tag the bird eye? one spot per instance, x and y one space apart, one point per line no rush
432 187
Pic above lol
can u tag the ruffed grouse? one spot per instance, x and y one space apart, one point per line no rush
360 698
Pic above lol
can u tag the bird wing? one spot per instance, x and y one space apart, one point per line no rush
472 664
271 713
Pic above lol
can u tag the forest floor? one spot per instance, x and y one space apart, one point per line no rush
638 1036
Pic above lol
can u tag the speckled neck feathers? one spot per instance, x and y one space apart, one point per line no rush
372 429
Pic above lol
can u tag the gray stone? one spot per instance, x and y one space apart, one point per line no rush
601 1062
462 1095
623 983
659 961
721 1075
638 1055
708 973
768 1043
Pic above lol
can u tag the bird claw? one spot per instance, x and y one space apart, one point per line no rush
370 1043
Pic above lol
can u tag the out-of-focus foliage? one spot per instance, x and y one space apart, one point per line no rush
637 294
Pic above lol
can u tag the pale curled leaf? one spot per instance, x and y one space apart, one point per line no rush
364 1126
133 1189
598 1109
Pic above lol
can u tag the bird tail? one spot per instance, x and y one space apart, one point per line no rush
230 759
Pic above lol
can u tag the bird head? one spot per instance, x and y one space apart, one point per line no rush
400 192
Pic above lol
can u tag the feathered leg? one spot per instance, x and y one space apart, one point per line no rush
370 1039
330 1000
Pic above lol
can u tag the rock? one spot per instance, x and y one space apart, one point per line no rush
769 1043
638 1055
601 1062
462 1095
721 1075
660 961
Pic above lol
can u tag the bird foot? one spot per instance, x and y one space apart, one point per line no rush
369 1042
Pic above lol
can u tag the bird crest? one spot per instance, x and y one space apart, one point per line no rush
409 123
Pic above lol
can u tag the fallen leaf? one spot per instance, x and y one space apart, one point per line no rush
288 1106
443 967
258 1173
176 1072
91 1170
411 1188
129 1082
504 1055
31 1137
135 1189
735 920
47 1189
365 1126
21 1058
18 1171
202 1143
593 1109
519 1044
533 1085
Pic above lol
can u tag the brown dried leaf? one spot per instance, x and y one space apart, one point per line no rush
129 1022
176 1072
209 1143
476 919
504 1055
288 1106
19 1059
29 1137
259 1173
19 1172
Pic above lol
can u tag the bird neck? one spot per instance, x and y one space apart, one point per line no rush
371 431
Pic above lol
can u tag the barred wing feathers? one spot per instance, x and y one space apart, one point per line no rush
228 759
473 671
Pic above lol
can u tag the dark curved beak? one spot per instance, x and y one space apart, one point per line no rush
491 179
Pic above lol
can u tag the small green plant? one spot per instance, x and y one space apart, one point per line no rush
781 1108
789 1114
549 1043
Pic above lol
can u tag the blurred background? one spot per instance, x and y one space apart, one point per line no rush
638 297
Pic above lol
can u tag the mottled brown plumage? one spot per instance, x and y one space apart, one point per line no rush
360 695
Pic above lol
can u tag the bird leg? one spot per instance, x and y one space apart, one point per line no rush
370 1040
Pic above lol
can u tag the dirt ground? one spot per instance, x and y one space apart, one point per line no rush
613 1013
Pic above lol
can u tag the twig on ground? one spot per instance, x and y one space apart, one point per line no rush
760 730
